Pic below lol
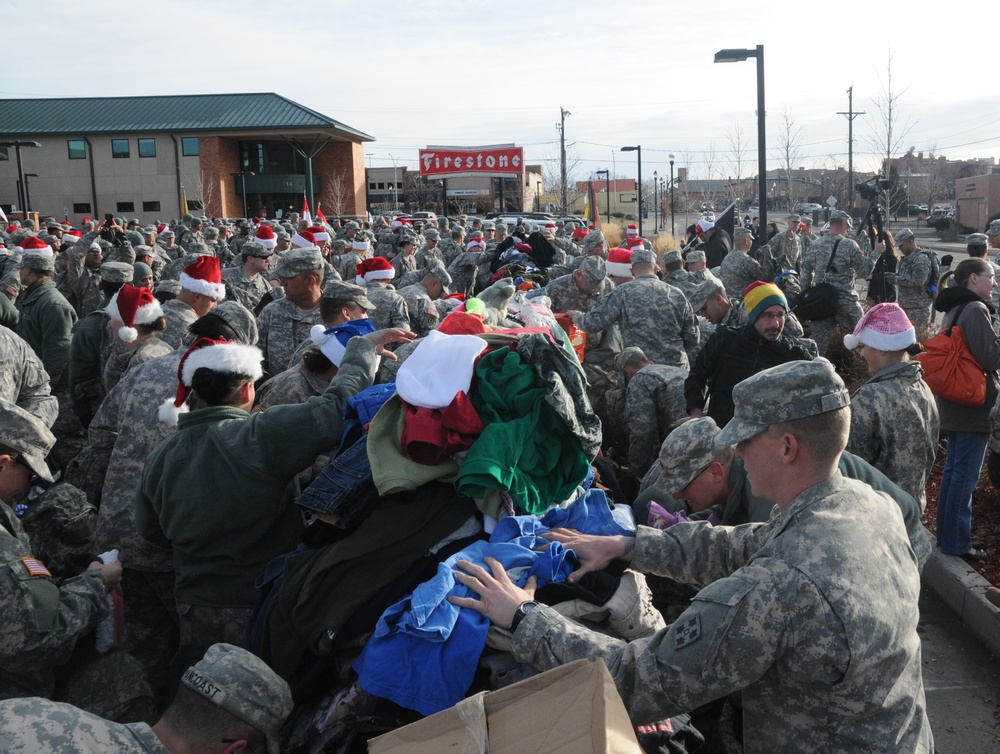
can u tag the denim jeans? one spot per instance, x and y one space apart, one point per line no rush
962 466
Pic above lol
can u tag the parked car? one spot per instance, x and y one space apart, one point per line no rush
808 208
754 210
427 217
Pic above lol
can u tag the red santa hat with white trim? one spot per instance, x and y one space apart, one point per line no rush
133 306
265 237
72 236
303 240
476 244
35 245
619 263
631 230
319 233
204 276
225 356
633 242
376 268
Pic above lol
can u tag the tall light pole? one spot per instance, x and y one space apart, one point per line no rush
638 149
656 201
17 144
395 193
734 56
538 196
672 195
607 189
243 182
27 193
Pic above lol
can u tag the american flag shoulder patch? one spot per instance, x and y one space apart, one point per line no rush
35 567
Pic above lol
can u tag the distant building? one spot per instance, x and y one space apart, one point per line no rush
400 188
141 156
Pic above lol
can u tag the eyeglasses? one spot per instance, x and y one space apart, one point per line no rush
773 315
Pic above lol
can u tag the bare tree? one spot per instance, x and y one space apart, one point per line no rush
888 133
335 192
789 148
738 156
711 162
552 173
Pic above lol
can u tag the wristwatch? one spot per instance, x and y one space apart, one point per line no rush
522 610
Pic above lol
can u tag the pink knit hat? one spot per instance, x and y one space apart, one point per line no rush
884 327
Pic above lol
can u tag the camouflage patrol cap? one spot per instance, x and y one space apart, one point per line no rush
211 232
696 255
489 225
239 319
593 270
352 225
841 216
117 272
254 249
432 234
24 433
977 239
142 250
994 228
793 219
687 451
243 685
594 239
344 291
807 219
626 355
282 235
669 257
742 233
436 268
475 234
783 393
297 261
169 286
904 234
701 293
340 244
501 227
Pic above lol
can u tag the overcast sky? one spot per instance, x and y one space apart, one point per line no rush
465 72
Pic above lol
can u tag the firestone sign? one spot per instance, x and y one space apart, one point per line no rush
436 162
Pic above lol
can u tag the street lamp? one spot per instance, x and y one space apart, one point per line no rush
17 144
734 56
656 201
607 189
538 196
638 150
672 195
395 192
27 193
243 181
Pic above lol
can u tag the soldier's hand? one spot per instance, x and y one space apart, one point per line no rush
499 597
389 335
595 553
112 573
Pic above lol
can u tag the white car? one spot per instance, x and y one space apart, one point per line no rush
809 207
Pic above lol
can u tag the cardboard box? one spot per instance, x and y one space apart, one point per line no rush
573 709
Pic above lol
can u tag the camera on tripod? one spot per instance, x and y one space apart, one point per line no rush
871 188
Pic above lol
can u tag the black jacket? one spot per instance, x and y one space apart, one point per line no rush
716 248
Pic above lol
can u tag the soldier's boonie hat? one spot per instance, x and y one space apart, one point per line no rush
687 451
243 685
783 393
296 261
24 433
117 272
339 289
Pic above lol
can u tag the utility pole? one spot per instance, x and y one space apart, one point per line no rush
851 115
563 114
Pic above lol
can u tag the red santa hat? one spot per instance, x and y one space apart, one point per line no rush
204 276
161 229
72 236
619 263
265 236
397 223
476 244
319 233
359 244
35 245
303 240
133 306
634 242
631 230
376 268
227 357
579 234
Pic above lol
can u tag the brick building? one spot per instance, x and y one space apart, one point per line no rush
142 156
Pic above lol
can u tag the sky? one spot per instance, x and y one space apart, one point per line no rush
469 73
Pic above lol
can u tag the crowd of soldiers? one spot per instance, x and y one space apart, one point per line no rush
117 334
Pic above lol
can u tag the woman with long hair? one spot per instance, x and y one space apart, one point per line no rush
881 290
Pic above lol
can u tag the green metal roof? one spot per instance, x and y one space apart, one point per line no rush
177 113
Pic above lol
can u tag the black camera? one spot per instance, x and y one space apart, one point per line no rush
871 188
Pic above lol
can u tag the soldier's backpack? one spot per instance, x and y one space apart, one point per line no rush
935 274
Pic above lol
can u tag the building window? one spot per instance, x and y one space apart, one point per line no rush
381 186
126 207
81 208
189 146
150 206
399 185
3 154
119 148
147 147
371 186
77 149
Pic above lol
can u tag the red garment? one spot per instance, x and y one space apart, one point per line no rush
432 435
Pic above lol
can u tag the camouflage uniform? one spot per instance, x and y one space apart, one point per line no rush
422 255
911 280
390 307
654 400
83 281
566 295
783 253
424 316
894 426
849 263
652 315
189 240
680 279
179 315
247 291
737 272
120 362
36 725
465 270
220 249
824 645
23 379
281 326
404 266
89 350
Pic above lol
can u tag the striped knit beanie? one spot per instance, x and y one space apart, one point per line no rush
759 295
